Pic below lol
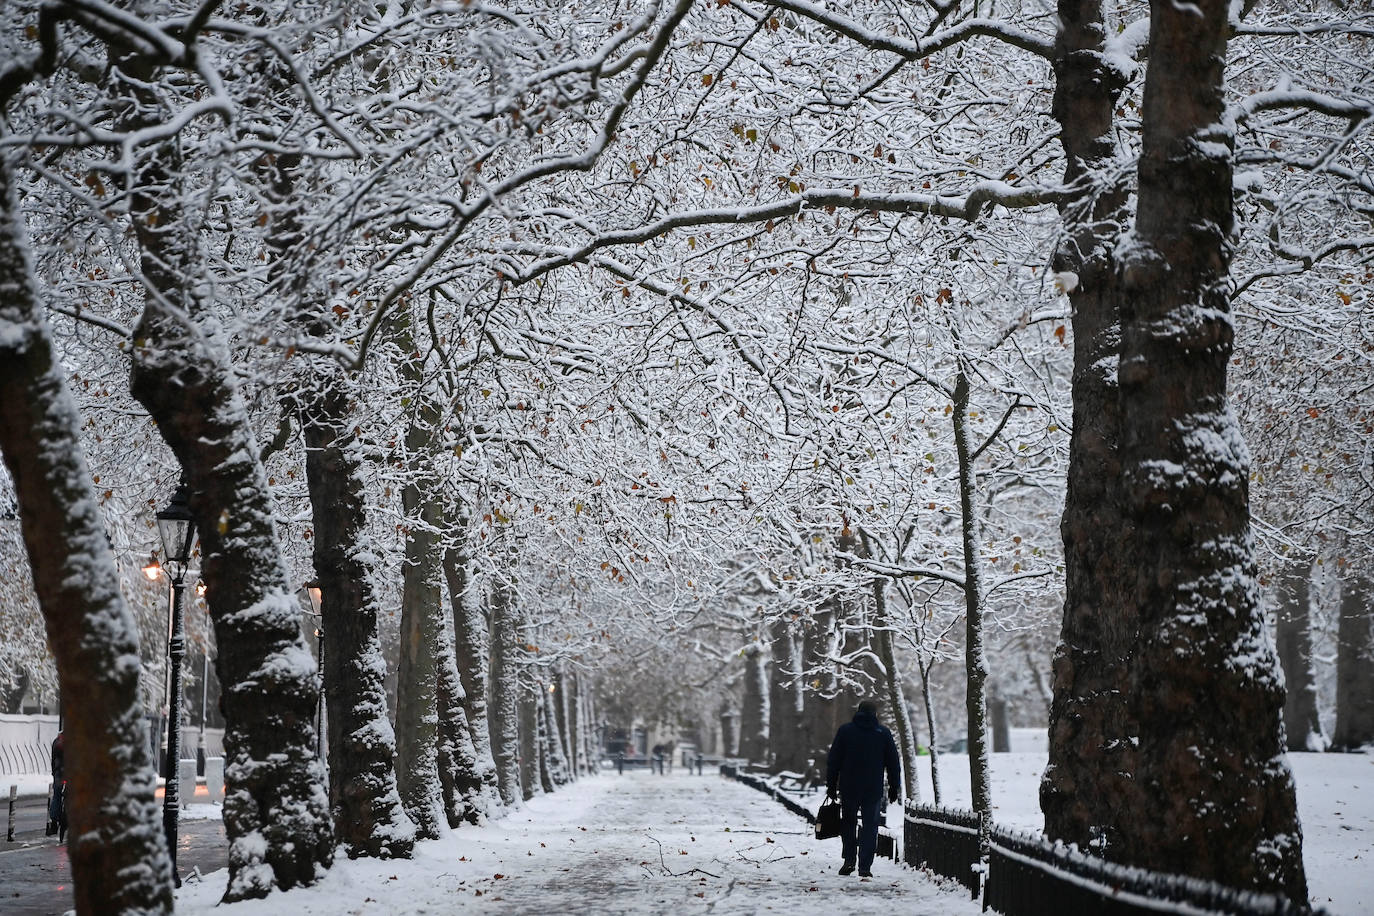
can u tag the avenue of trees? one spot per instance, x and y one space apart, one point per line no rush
704 365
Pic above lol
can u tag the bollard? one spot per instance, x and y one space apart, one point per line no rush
9 835
214 779
620 764
700 760
186 781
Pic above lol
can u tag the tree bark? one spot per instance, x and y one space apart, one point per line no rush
1355 666
975 658
786 726
460 774
531 783
118 852
1293 641
753 728
422 632
504 718
930 729
276 808
471 641
1087 787
1220 798
555 753
368 817
892 682
566 719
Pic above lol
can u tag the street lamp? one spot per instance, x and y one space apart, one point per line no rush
177 529
314 595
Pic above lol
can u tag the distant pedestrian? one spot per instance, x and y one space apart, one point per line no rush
57 804
861 751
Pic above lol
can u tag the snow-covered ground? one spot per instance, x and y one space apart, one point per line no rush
544 850
637 843
1335 802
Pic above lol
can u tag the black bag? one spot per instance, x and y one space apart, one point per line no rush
828 819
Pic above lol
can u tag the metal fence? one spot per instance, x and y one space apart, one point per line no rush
944 840
1025 875
1030 876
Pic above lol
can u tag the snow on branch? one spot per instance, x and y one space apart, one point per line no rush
926 45
966 207
1284 97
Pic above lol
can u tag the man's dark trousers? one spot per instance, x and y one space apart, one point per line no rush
851 809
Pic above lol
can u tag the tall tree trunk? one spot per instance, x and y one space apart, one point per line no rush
819 715
892 681
530 781
975 659
786 726
572 696
118 852
1293 641
504 718
1220 797
545 733
276 808
368 817
930 729
471 640
589 718
422 630
460 774
555 753
566 710
1088 787
1355 666
753 729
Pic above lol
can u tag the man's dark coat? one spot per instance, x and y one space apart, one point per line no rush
862 749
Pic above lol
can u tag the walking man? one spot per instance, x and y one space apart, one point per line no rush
861 751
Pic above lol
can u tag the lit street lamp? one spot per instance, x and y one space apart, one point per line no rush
314 595
177 529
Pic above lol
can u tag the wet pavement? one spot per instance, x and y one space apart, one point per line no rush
36 878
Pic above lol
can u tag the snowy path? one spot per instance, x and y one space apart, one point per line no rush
611 844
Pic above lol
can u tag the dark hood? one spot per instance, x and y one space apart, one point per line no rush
865 720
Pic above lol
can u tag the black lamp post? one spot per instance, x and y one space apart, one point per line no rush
314 595
177 529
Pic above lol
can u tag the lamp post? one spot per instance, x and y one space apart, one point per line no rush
177 529
314 595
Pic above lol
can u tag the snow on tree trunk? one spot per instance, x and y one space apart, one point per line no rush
368 817
504 717
753 730
566 721
1293 642
460 775
1087 785
531 783
470 640
422 631
1355 666
590 733
1220 797
118 852
975 659
545 733
555 753
276 808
